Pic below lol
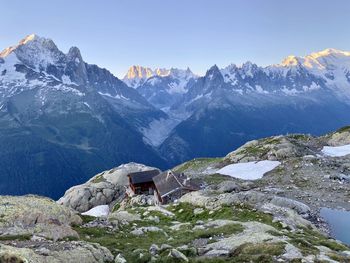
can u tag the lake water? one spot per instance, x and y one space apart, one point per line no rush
339 222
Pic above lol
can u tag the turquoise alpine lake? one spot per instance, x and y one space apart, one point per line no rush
339 221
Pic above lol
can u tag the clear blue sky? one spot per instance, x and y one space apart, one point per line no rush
196 33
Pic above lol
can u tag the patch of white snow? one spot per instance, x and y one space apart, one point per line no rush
97 211
66 80
250 170
336 151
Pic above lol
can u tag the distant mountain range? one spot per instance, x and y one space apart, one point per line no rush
221 110
161 87
62 120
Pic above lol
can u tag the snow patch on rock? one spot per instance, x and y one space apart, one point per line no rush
249 170
336 151
98 211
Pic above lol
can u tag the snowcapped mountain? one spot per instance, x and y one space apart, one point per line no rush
330 65
63 119
164 91
161 87
37 61
319 73
137 75
327 70
229 106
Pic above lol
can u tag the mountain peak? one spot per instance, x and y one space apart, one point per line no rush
24 41
140 72
161 72
181 73
326 59
137 75
42 55
33 41
248 66
213 68
291 61
74 55
37 52
328 52
137 71
213 72
28 38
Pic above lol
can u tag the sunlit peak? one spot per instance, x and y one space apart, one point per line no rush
290 61
329 51
27 39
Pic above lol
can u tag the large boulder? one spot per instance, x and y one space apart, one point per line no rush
102 189
28 215
60 252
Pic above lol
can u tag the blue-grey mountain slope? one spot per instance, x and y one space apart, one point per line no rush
62 120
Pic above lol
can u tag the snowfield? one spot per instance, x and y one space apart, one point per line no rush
336 151
250 170
97 211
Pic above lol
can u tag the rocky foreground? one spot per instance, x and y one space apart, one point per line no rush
272 219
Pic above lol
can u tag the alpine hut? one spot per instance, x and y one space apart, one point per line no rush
142 182
170 186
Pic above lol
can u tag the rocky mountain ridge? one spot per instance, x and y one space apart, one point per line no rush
329 67
138 75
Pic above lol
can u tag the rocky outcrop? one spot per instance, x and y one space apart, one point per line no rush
60 252
339 138
123 217
273 148
27 215
297 206
228 186
284 210
254 233
138 200
105 188
252 198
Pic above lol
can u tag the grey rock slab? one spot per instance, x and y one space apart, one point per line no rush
254 233
34 215
178 255
217 253
70 252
